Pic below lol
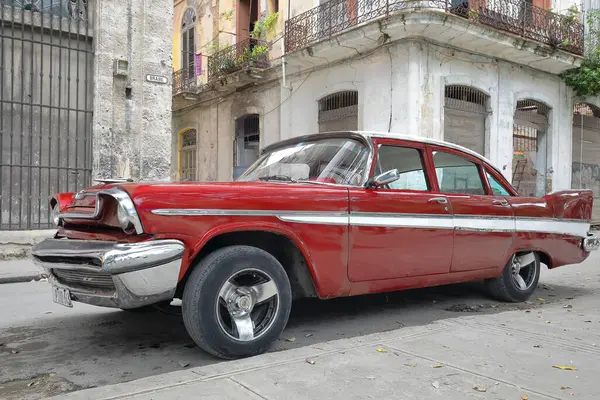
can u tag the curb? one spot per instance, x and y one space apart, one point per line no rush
21 278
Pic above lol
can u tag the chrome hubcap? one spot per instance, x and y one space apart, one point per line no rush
523 270
247 304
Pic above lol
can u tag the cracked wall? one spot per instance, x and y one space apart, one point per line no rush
401 90
132 116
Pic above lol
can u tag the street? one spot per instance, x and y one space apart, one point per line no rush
47 349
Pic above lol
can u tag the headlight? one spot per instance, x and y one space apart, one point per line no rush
55 217
124 217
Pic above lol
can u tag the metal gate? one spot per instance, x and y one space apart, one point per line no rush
465 111
339 112
46 106
529 166
586 152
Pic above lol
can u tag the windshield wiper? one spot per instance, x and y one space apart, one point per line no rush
276 178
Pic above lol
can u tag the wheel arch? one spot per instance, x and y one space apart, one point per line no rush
544 256
282 244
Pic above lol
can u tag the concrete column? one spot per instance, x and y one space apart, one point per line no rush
562 157
501 151
132 114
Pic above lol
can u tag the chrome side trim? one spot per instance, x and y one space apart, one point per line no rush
325 219
557 226
477 223
402 220
195 212
484 224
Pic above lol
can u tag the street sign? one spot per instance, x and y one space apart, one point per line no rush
157 79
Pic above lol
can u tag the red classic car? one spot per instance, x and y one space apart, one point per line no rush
327 215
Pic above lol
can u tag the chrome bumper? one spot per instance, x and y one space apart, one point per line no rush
591 242
108 274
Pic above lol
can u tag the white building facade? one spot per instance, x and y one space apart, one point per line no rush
483 74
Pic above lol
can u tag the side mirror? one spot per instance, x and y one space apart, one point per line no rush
384 179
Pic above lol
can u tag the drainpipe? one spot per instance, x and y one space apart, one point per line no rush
283 60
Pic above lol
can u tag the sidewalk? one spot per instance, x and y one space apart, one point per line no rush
19 271
507 355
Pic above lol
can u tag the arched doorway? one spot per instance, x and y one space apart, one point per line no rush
188 151
586 152
530 145
246 144
339 112
465 112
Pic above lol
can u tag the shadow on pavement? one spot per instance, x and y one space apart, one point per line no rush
116 346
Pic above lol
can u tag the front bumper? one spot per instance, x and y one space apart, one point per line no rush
591 242
109 274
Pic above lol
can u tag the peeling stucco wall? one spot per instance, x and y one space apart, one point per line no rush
132 117
401 90
215 124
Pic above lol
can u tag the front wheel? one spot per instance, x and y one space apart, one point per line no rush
518 280
236 302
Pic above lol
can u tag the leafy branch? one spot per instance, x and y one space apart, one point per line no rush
585 80
266 25
227 15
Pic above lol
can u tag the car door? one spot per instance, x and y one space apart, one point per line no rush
402 229
484 223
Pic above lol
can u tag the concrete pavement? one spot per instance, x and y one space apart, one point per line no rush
46 349
512 355
508 355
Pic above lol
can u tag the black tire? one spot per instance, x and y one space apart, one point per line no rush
200 302
504 288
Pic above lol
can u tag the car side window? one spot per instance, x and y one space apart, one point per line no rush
408 162
496 186
456 174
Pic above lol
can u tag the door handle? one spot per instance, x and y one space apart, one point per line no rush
502 203
441 200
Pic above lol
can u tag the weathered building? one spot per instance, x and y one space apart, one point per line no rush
480 73
85 93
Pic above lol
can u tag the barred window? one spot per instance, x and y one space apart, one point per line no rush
465 98
338 111
188 155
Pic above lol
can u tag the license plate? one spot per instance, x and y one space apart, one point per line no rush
61 296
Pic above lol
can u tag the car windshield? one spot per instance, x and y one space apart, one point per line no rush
336 160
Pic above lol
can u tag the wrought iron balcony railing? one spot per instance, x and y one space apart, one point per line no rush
515 16
184 80
245 54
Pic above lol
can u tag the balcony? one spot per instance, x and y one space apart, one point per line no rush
244 55
184 81
544 32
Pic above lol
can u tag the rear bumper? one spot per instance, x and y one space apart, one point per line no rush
591 242
108 274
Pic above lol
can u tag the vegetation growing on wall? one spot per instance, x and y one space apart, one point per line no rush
227 15
265 26
585 80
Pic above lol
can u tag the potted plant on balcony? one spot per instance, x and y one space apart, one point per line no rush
227 66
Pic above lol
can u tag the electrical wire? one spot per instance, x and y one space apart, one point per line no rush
291 94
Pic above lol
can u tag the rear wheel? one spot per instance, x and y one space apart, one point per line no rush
236 302
518 280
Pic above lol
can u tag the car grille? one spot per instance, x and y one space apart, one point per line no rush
84 278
